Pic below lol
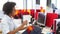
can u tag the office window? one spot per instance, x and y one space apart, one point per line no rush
49 3
38 2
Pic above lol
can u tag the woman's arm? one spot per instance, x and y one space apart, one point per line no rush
19 28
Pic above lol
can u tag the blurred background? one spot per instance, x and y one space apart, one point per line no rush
32 7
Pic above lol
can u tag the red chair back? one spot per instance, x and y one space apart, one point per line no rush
37 10
36 16
32 13
49 19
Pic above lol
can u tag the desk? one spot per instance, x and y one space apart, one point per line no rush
18 22
46 30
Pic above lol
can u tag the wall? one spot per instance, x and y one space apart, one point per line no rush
2 3
19 3
58 2
43 3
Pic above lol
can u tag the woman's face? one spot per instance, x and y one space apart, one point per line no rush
13 11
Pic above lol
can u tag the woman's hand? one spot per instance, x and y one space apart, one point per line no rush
22 26
19 28
24 22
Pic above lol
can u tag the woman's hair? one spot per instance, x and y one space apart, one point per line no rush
8 7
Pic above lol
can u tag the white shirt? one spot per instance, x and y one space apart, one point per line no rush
7 24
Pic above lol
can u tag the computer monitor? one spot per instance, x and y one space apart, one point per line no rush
27 17
41 19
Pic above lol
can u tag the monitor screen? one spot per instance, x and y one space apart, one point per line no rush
41 19
27 17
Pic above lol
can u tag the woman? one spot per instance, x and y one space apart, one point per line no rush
8 26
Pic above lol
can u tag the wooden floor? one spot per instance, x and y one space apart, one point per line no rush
0 32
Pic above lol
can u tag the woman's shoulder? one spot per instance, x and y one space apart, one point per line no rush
5 18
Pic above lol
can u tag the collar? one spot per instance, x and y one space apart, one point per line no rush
8 17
